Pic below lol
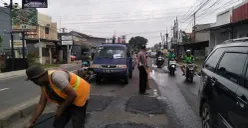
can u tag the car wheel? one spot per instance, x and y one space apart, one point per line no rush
126 78
98 79
205 116
130 74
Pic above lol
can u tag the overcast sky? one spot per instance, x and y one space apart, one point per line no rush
145 18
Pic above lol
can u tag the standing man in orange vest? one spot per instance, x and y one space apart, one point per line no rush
64 88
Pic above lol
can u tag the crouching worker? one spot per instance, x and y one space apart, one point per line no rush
66 89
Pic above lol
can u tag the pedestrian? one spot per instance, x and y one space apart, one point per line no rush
142 65
148 77
66 89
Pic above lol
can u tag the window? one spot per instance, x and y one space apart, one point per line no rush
231 66
46 30
111 52
213 59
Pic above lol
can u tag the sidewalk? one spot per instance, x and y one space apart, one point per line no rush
7 75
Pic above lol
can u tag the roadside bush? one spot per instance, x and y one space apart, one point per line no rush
32 58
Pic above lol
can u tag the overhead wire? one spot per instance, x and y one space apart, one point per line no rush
229 3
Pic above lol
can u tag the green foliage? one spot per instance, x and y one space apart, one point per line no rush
135 43
1 40
185 37
32 57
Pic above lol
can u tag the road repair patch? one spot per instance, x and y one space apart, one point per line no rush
145 105
128 125
48 118
99 103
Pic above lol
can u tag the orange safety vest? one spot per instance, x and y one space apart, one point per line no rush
81 87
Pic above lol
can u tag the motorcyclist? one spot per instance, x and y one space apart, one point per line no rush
85 58
188 59
171 56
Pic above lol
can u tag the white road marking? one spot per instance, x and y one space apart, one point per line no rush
153 72
4 89
155 93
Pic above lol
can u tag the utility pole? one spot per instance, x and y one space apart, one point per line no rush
166 36
194 25
12 38
23 48
63 30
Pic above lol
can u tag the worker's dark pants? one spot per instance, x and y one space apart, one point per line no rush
142 79
76 114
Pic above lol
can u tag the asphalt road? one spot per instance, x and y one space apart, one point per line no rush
16 90
113 105
180 95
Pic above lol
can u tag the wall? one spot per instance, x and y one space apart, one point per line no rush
242 31
202 36
45 21
224 17
218 37
78 51
5 28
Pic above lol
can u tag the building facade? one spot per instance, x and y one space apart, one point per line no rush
43 41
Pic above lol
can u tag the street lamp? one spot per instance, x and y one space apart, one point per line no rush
11 6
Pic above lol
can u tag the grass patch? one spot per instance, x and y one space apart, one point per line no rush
50 65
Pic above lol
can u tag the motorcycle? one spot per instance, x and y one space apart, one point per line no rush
172 66
160 61
86 72
190 72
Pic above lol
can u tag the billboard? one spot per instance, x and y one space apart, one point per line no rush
34 4
24 20
66 40
18 43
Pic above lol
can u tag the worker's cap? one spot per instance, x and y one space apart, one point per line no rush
34 71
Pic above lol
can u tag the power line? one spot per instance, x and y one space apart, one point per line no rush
111 21
126 13
229 3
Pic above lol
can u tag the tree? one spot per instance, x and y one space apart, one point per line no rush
1 40
185 37
135 43
156 47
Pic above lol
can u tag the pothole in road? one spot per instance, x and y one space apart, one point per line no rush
144 104
129 125
99 103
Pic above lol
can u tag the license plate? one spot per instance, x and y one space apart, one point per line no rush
172 62
107 71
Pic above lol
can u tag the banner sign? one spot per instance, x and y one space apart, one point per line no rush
24 20
34 4
66 40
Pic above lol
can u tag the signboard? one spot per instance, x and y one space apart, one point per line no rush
66 40
24 20
18 43
34 4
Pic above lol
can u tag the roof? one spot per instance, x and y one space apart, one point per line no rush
240 42
79 34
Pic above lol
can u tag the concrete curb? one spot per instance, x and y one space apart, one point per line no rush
19 73
18 112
